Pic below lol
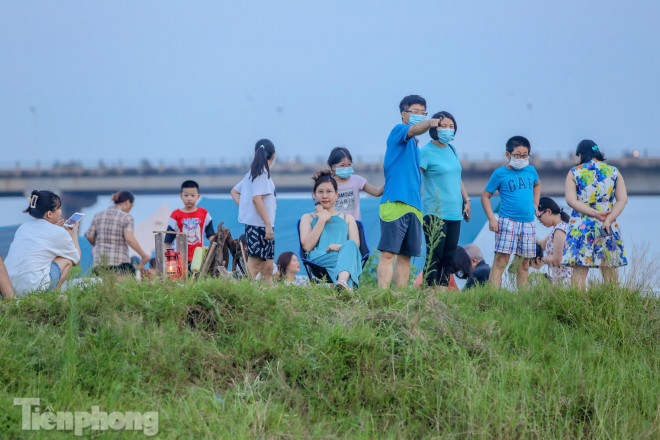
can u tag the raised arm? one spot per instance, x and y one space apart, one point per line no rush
375 191
422 127
309 237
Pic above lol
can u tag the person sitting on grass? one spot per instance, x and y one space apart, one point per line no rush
331 239
288 266
43 251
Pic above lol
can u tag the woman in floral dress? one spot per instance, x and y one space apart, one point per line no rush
597 193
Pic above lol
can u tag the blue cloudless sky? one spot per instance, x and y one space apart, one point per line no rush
203 80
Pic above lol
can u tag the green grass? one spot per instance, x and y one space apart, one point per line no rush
219 359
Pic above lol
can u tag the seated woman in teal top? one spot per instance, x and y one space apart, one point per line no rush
331 239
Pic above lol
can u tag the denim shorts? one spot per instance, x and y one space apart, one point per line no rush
55 275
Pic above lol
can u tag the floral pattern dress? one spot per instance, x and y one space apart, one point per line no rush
560 274
595 183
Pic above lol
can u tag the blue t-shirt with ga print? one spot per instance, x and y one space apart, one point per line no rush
516 189
403 180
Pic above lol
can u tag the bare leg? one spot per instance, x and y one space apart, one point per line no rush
65 267
609 275
579 277
267 272
402 270
254 266
385 269
522 278
499 264
342 279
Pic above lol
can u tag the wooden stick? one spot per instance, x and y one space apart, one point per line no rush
207 261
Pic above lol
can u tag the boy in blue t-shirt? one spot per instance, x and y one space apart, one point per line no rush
520 191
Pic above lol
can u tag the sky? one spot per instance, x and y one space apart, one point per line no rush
202 81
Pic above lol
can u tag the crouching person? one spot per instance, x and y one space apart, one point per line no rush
43 251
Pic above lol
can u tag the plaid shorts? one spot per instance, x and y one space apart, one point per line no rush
517 238
257 245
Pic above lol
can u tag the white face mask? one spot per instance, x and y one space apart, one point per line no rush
518 164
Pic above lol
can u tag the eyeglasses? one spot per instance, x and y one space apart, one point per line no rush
417 112
540 214
520 156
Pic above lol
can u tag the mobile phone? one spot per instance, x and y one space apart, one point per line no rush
75 218
604 233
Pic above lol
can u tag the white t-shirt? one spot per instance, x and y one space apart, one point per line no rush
261 186
36 244
348 196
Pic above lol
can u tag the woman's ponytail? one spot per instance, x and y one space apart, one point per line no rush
263 152
548 203
122 196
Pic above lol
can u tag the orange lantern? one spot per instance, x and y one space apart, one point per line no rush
173 266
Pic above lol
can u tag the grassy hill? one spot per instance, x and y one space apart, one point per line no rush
218 359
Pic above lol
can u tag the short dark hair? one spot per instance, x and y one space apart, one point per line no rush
433 132
189 184
587 150
337 155
409 100
41 202
539 251
323 176
518 141
462 264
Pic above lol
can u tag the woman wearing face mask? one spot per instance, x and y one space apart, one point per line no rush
349 185
597 193
445 201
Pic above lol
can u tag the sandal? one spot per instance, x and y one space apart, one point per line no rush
341 285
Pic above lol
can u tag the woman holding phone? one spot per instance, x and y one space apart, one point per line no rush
43 251
111 233
597 193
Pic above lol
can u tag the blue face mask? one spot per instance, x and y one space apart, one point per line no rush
445 135
414 119
344 173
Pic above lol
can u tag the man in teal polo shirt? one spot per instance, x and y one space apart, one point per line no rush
401 204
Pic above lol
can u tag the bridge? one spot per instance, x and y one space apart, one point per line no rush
79 186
